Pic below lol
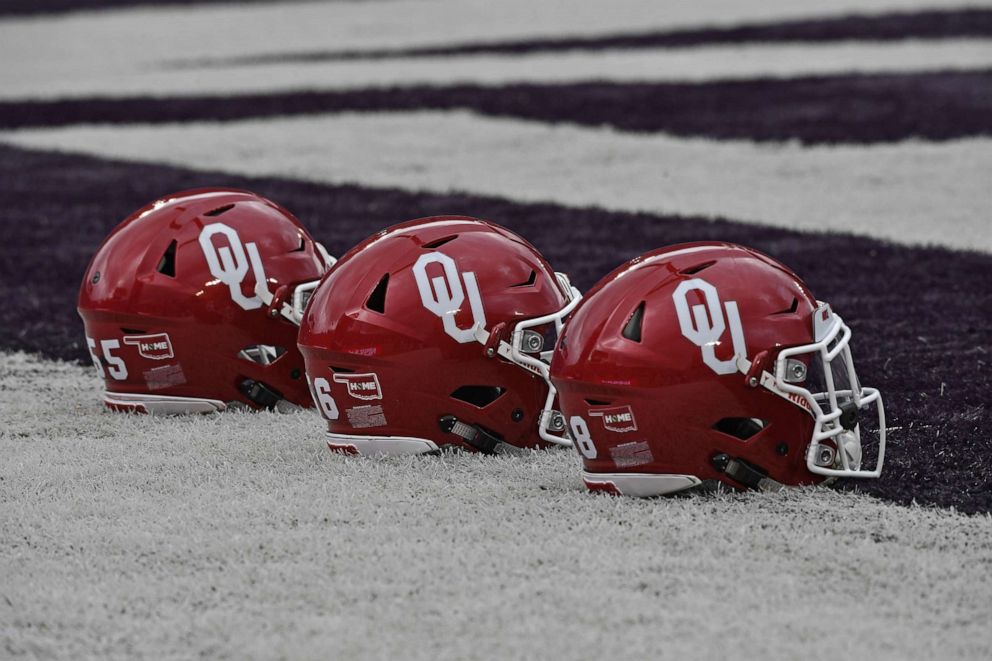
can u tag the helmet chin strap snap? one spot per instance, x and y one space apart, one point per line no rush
475 436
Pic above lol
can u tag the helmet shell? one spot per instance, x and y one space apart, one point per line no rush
637 374
169 299
375 332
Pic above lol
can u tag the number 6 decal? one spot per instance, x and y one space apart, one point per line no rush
322 396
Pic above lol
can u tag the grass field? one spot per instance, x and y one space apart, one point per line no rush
240 536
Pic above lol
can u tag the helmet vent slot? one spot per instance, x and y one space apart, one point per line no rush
789 310
692 270
480 396
527 283
376 301
302 246
740 428
439 242
597 402
341 370
132 331
219 210
632 330
167 265
261 354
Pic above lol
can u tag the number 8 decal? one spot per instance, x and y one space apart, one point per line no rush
580 434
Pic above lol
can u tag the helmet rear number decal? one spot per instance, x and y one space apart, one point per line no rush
580 434
321 392
116 368
230 263
444 296
704 325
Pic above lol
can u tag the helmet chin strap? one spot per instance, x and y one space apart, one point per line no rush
474 435
744 473
260 394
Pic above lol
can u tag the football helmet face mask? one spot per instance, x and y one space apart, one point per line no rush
194 302
711 361
437 332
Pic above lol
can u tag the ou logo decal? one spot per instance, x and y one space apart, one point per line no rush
705 325
444 296
229 263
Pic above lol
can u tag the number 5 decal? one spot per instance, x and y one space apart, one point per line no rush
115 364
580 434
444 296
322 396
705 325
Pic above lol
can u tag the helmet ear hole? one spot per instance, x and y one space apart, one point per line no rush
740 428
632 330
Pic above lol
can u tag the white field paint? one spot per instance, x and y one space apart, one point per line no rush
155 35
39 55
910 192
239 535
651 65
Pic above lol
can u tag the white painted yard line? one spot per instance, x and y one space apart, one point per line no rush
46 50
911 192
681 65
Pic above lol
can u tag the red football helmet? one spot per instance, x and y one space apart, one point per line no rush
711 361
432 333
194 301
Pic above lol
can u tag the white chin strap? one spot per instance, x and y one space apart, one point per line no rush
551 423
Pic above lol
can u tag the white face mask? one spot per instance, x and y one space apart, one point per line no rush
820 377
